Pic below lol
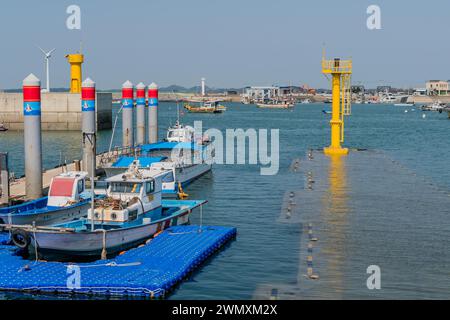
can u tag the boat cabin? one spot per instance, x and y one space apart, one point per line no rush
180 133
66 188
130 194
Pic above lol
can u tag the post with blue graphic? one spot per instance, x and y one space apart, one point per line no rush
88 124
32 136
153 113
127 114
140 113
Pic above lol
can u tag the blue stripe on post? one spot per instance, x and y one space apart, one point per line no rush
88 105
32 108
152 102
140 101
127 103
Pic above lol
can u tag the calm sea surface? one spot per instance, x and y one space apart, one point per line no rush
269 253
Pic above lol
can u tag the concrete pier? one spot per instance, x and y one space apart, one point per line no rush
358 211
152 113
32 136
140 113
60 111
127 114
88 123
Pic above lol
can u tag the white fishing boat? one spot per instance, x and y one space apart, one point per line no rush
180 133
275 104
67 200
132 212
435 106
187 158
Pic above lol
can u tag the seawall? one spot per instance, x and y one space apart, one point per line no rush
60 111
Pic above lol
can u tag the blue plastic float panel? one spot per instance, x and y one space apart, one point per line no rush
149 271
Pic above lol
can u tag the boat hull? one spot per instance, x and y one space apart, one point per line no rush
91 243
275 106
44 216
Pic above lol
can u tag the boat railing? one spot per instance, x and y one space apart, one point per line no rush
336 66
117 152
28 227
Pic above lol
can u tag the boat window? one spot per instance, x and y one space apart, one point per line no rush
150 187
61 187
80 186
125 187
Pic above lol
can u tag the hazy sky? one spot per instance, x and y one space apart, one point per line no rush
232 43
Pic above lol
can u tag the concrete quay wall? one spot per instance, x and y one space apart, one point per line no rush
59 111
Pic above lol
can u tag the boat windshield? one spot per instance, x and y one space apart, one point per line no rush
175 133
125 187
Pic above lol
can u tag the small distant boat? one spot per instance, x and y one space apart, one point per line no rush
132 212
435 106
205 107
67 200
305 101
3 128
326 112
275 104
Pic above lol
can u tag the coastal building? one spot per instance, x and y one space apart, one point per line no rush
437 88
420 92
253 94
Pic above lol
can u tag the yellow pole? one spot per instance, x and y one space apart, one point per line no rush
75 61
336 121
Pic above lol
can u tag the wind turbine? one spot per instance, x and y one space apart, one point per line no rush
47 58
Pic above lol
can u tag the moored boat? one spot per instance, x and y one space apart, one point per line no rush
67 200
131 213
187 158
435 106
275 104
205 107
186 162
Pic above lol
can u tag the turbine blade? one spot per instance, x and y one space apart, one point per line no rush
42 50
50 52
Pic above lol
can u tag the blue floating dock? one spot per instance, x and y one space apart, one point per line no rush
150 270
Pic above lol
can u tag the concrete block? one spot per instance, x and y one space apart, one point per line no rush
54 126
73 102
67 117
50 117
74 126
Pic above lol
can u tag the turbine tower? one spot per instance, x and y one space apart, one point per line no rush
47 58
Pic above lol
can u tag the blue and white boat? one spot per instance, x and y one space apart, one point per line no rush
67 200
132 212
186 158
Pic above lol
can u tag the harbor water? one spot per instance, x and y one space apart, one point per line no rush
270 254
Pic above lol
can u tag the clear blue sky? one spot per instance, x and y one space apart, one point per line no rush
232 43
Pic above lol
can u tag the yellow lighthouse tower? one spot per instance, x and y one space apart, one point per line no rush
341 71
75 61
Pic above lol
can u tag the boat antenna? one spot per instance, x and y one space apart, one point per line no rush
114 128
178 107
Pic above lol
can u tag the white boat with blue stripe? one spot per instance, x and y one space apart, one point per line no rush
132 212
67 200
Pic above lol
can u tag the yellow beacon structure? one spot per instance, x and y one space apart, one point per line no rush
341 71
75 61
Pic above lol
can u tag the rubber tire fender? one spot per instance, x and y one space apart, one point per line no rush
20 238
